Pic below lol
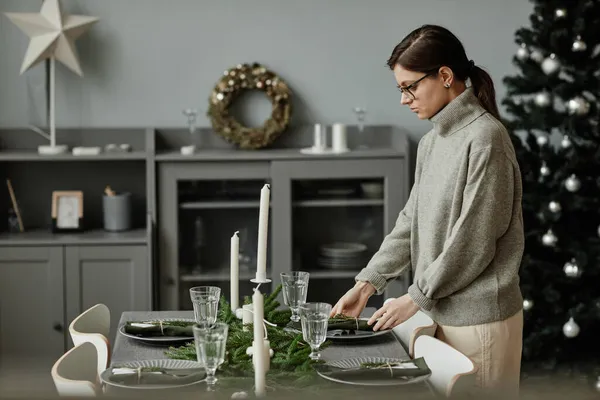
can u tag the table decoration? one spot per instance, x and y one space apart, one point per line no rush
374 371
290 362
154 374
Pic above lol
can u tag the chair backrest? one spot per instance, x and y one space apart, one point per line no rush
418 325
93 325
75 372
452 373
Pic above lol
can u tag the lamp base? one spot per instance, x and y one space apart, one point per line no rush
53 150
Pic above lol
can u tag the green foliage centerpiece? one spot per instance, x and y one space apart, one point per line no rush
290 359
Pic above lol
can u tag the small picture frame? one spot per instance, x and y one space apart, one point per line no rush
67 211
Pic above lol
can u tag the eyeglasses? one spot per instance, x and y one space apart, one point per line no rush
406 89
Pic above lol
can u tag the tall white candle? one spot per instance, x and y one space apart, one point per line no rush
258 354
235 272
263 228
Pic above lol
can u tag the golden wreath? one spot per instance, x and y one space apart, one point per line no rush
232 83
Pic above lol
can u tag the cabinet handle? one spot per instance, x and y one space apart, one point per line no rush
58 327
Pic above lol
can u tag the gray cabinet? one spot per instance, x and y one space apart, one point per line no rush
354 198
43 288
31 304
116 276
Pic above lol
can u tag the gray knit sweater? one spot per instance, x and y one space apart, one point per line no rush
461 230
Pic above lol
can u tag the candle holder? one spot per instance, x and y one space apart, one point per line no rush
260 280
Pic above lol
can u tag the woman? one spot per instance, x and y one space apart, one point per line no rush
461 230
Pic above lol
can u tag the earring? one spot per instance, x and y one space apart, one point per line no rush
447 85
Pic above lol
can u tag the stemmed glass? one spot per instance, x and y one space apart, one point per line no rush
295 288
210 349
205 300
361 113
315 317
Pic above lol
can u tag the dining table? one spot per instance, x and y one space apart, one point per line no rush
126 349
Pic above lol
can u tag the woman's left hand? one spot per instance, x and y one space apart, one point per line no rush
394 313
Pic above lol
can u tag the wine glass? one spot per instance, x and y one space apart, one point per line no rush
205 300
210 349
191 114
315 317
295 288
361 113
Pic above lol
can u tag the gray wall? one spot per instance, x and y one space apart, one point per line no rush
146 60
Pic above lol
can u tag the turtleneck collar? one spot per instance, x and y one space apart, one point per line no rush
461 111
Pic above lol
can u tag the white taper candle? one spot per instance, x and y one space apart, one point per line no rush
235 272
263 229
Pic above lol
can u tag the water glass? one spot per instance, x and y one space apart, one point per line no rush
205 300
315 317
295 287
210 349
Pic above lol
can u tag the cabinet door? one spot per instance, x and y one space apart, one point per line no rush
31 305
117 276
340 212
201 207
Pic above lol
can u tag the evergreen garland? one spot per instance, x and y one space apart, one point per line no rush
290 361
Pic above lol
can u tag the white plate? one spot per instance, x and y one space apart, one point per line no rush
357 335
165 340
164 363
356 363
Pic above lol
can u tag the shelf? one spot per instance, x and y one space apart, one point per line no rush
339 203
32 155
43 237
202 205
216 276
272 154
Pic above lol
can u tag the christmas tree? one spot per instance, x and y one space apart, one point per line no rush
553 108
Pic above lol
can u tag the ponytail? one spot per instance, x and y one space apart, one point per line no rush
483 86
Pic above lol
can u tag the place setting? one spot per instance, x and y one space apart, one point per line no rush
208 335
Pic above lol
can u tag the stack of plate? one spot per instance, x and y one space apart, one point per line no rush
343 255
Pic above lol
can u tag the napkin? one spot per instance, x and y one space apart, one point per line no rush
160 328
155 376
335 323
400 370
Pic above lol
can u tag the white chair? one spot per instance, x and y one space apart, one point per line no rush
452 373
93 325
418 325
75 372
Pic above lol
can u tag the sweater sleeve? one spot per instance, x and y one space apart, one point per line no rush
393 256
485 216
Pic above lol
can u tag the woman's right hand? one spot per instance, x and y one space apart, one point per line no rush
354 301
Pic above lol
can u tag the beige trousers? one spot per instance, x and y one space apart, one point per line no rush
495 349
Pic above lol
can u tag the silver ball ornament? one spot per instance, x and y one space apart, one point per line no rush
579 45
565 143
554 206
570 328
578 106
239 395
597 385
527 304
522 52
542 140
549 239
571 269
542 99
536 56
550 65
573 183
544 170
560 13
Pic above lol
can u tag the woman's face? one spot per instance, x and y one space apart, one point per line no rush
427 96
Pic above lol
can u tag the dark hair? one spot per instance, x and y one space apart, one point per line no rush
430 47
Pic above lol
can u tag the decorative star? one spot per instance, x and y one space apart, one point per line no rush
52 34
